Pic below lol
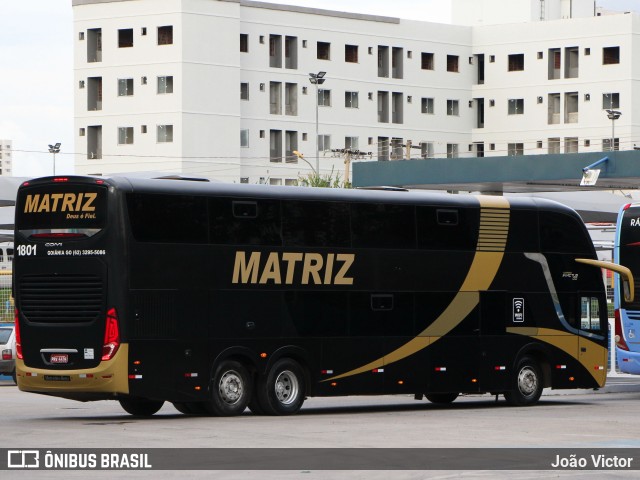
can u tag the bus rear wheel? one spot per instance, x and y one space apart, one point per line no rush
140 407
528 384
282 390
441 398
230 389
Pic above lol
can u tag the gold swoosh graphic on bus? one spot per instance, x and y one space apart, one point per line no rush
570 344
492 239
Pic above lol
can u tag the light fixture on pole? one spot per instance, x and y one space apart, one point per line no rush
54 149
317 79
613 115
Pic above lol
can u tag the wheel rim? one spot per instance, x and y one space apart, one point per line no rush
527 381
231 387
286 387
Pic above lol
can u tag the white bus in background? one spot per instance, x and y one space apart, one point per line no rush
6 261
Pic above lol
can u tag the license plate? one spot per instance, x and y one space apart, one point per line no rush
59 358
57 378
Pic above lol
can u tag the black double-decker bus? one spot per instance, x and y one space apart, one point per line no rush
219 297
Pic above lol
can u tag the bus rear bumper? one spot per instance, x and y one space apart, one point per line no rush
107 380
628 362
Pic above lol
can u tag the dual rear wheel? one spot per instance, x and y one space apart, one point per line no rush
280 392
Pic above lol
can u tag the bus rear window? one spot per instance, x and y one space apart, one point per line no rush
61 210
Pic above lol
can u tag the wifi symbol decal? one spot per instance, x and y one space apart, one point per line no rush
518 310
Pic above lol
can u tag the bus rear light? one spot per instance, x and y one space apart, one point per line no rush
619 338
561 367
135 377
111 335
626 206
191 375
441 369
500 368
18 337
60 179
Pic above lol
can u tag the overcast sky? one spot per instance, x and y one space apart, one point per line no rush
36 76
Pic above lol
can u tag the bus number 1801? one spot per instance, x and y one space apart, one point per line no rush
26 250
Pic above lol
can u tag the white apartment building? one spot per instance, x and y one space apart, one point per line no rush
6 167
221 88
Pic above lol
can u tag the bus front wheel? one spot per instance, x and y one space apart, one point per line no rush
282 390
230 390
528 384
441 398
140 407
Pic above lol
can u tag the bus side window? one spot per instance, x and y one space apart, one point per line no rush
383 226
244 222
563 234
590 313
447 228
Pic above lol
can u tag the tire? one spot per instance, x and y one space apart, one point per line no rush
140 407
527 383
13 376
190 408
231 389
282 390
441 398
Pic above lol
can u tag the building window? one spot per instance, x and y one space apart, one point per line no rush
165 35
427 61
587 52
426 149
143 129
290 52
610 55
165 133
244 91
351 143
571 145
515 149
125 87
492 58
244 42
275 145
125 135
82 132
143 31
81 36
610 100
351 53
452 63
428 105
81 84
351 99
553 145
587 143
291 99
453 107
606 144
125 38
324 98
275 98
539 144
516 62
165 84
571 107
275 51
324 142
540 55
324 51
143 80
516 106
452 150
244 137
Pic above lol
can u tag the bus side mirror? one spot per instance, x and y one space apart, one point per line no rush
628 286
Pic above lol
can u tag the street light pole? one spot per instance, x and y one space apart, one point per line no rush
613 115
54 149
317 79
